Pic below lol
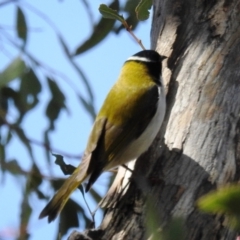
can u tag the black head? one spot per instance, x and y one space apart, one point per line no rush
153 61
149 55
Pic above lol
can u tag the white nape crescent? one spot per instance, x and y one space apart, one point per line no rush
141 59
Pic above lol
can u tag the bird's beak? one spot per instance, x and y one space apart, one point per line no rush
163 57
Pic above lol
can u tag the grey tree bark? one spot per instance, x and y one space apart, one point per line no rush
198 147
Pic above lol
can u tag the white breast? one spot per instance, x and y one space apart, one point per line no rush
141 144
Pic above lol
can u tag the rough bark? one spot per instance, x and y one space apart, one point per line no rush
198 147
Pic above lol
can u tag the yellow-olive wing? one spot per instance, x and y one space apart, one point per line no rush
124 120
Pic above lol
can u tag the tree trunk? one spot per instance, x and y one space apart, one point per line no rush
198 147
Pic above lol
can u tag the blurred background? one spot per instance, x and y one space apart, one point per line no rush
58 60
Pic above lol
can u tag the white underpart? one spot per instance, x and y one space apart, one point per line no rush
143 142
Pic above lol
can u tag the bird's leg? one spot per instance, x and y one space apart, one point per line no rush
127 168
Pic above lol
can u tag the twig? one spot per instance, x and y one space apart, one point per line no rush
129 29
137 39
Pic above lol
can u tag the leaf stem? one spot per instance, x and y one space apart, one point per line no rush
139 41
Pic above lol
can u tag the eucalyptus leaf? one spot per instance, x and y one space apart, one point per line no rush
40 194
35 178
152 221
31 83
30 87
131 18
14 70
9 137
100 31
3 103
109 13
174 230
14 95
56 104
21 25
57 183
223 201
69 216
13 167
2 157
2 152
25 215
67 169
142 9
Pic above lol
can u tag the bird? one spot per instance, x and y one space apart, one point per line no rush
125 127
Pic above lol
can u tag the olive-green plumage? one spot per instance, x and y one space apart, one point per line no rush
124 127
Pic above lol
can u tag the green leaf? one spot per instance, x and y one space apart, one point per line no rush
69 216
2 153
142 9
26 212
21 25
110 13
40 194
56 104
14 70
9 137
67 169
2 157
100 31
3 103
129 10
13 167
103 28
152 221
29 89
31 83
35 178
16 97
223 201
57 183
174 230
55 91
25 98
